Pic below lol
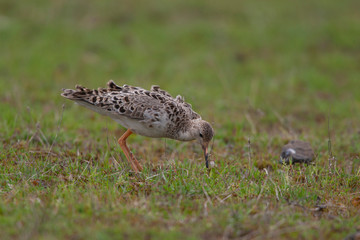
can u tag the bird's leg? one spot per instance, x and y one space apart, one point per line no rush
122 143
138 165
135 165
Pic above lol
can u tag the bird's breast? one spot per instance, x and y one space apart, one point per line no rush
143 127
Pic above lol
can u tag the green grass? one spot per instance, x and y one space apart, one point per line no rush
270 71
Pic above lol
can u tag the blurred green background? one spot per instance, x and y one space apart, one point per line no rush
297 58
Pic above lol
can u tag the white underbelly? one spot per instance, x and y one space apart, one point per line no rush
149 129
154 130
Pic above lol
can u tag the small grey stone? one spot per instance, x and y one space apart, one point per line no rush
355 236
297 151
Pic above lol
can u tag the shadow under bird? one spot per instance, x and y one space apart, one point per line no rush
153 113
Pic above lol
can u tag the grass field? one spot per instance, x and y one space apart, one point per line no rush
264 71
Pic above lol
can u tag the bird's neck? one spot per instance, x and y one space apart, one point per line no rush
185 136
188 133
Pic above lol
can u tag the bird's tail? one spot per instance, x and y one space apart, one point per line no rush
86 97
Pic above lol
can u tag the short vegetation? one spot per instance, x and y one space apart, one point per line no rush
262 72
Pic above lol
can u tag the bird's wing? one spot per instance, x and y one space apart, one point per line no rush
127 101
157 89
160 95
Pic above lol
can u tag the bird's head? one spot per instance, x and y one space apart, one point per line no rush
204 134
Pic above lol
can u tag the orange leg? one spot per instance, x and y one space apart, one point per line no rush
135 165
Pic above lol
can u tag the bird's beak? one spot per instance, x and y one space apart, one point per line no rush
206 155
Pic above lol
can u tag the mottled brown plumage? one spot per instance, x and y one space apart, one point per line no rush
153 113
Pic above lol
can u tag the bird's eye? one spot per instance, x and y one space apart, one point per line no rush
200 135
